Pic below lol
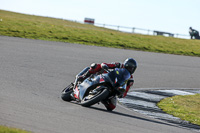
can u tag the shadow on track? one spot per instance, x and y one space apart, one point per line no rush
168 123
126 115
132 116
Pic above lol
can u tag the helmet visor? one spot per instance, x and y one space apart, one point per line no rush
131 69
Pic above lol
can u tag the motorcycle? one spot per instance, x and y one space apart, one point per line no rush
97 87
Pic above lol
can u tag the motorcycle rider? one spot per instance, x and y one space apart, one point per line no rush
130 64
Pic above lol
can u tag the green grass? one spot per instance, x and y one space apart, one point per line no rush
4 129
44 28
185 107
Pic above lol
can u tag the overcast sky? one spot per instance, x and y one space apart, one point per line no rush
174 16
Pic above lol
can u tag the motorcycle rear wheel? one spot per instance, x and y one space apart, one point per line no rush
92 99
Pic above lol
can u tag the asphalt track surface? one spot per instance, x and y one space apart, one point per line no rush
33 74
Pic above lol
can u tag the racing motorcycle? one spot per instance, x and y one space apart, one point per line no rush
97 87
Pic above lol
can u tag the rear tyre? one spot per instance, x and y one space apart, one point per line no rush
90 100
66 93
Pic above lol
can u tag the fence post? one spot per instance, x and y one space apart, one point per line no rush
133 30
118 28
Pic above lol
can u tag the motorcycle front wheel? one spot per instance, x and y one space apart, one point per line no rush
66 93
91 99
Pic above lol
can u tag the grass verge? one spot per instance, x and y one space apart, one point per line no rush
4 129
185 107
45 28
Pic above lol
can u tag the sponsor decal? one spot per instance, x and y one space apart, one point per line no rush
76 93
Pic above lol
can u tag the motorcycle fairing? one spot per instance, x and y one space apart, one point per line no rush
86 85
119 75
101 79
76 92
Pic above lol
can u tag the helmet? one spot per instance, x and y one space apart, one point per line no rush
130 64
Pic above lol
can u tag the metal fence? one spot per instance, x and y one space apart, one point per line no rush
138 30
135 30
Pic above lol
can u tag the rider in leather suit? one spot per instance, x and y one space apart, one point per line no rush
130 64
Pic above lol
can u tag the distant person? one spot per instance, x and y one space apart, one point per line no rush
194 33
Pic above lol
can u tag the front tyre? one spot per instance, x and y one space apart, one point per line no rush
66 93
90 100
